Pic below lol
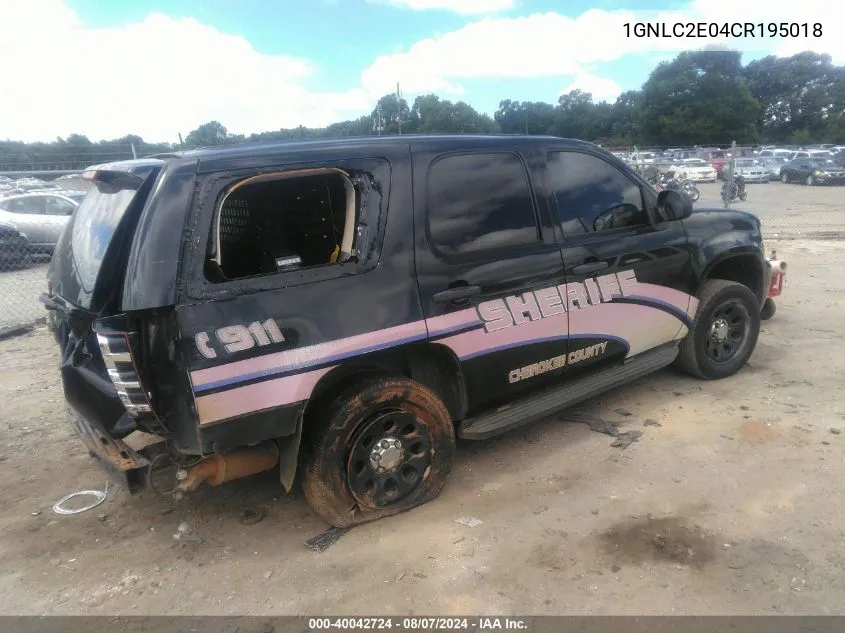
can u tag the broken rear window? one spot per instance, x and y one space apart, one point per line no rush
286 221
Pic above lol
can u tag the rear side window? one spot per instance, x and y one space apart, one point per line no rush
95 224
479 203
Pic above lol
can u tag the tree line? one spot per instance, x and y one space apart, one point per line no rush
698 98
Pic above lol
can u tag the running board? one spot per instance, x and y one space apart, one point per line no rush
533 408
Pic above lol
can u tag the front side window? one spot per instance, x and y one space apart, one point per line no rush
593 195
478 203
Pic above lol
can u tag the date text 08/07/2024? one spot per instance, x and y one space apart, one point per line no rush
662 30
479 624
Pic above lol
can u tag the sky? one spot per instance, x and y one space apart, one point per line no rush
158 68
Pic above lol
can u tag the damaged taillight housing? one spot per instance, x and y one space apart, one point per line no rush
119 358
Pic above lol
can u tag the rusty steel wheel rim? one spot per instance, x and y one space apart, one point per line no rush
388 458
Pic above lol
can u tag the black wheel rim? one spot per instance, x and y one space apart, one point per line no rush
388 459
727 332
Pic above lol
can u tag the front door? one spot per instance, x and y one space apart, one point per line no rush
629 275
484 246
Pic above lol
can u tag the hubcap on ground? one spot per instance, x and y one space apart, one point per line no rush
727 332
388 458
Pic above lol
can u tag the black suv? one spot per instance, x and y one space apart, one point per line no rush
345 308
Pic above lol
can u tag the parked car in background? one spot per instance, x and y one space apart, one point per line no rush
664 164
714 156
751 170
773 165
14 247
813 171
696 169
40 215
775 153
811 153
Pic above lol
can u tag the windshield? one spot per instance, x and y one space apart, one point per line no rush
696 162
96 220
747 163
822 162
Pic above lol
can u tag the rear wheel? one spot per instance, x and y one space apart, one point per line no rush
783 177
725 332
382 446
811 181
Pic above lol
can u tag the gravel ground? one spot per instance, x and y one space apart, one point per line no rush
727 504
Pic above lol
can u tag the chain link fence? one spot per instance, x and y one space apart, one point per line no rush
806 206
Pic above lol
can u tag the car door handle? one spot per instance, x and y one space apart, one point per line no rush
590 267
456 294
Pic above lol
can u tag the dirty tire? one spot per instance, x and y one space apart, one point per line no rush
335 429
768 310
715 295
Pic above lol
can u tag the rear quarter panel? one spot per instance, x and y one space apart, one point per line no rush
323 323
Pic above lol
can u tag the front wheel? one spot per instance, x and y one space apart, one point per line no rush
784 178
725 332
811 181
381 446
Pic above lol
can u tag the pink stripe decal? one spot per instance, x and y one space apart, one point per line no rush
313 354
258 396
680 300
643 327
452 321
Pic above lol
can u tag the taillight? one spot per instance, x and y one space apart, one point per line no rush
120 362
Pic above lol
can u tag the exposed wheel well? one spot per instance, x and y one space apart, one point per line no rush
430 364
743 269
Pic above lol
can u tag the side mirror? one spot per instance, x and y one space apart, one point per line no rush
674 205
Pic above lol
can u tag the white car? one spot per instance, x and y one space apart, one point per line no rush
696 169
811 153
775 152
40 215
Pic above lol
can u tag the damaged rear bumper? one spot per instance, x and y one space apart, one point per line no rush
123 466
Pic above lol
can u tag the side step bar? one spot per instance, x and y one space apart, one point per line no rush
533 408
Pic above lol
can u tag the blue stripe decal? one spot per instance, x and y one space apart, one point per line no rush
546 339
650 302
300 368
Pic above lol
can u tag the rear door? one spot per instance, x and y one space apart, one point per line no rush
488 267
629 277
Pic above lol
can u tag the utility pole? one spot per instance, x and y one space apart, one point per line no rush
399 108
134 155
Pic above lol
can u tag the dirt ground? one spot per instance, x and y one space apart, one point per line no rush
729 503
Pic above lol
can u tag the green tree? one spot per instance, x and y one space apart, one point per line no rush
699 97
527 117
797 94
211 133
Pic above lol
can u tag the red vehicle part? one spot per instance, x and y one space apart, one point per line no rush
778 273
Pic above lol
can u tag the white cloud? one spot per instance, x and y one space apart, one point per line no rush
551 44
461 7
162 76
154 78
601 88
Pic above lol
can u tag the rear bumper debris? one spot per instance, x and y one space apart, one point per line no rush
123 466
